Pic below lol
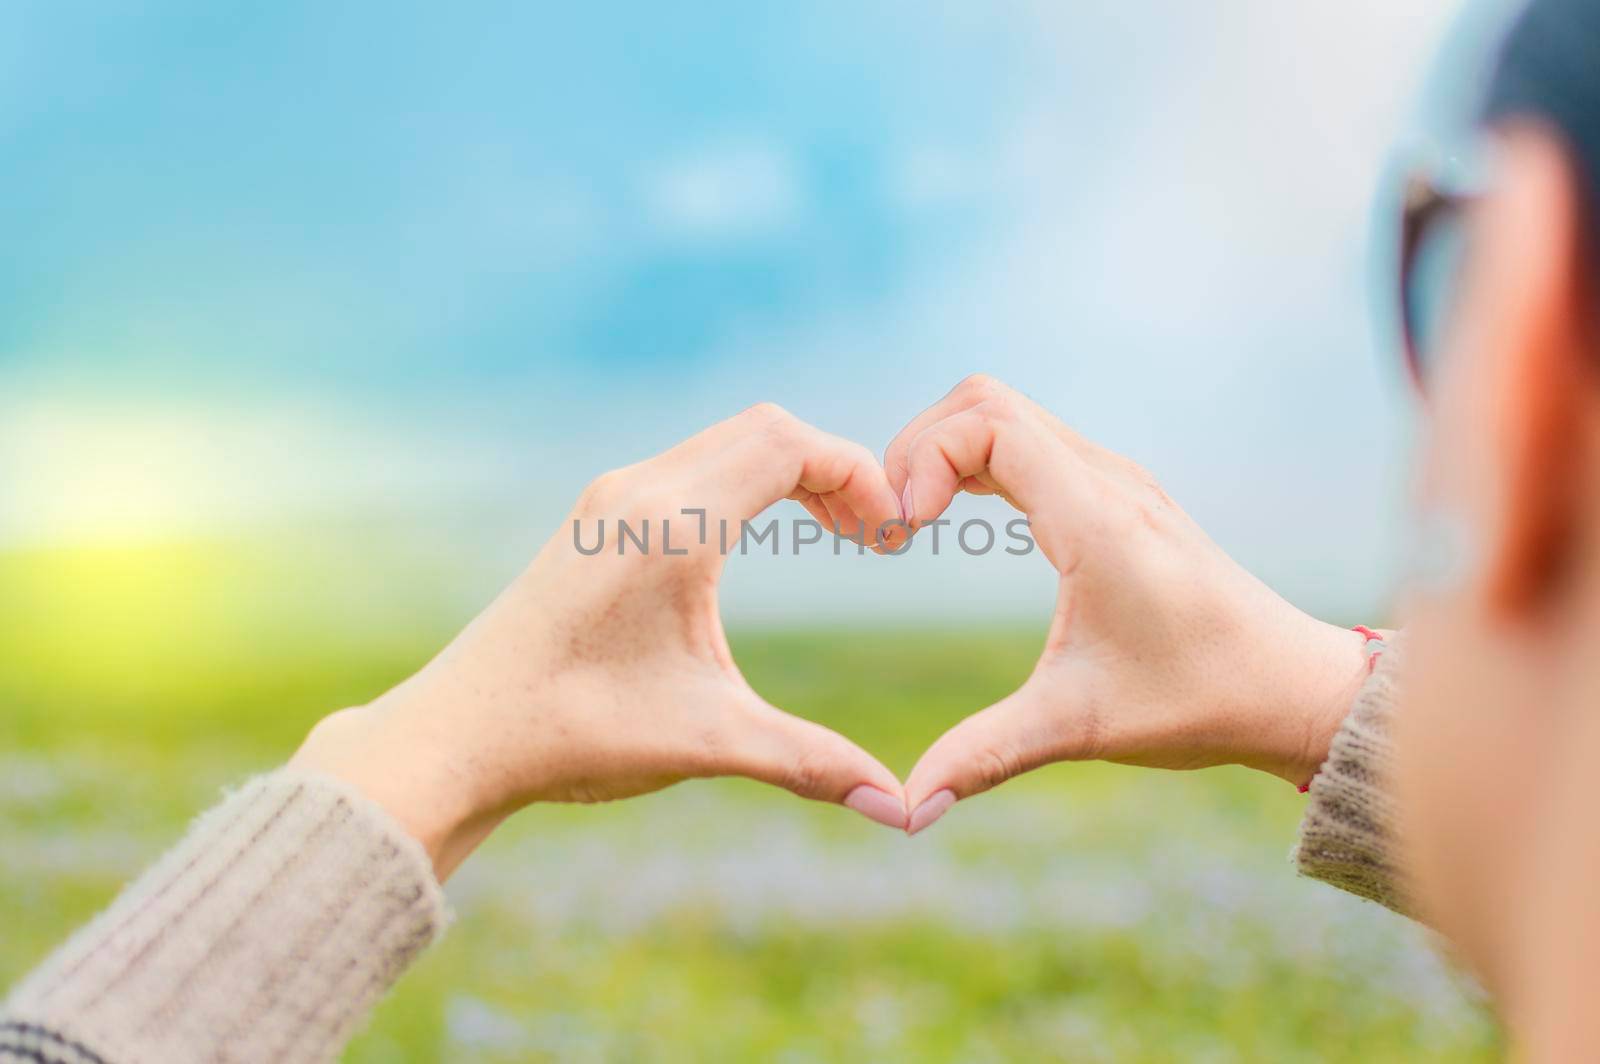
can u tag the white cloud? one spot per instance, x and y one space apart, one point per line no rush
728 191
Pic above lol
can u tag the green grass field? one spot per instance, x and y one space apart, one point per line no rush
1085 913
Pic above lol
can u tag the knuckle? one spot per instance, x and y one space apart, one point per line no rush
1134 473
767 415
997 408
1154 492
774 422
994 765
603 493
805 775
979 386
923 450
1138 503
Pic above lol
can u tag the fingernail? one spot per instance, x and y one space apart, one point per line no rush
877 805
932 808
906 513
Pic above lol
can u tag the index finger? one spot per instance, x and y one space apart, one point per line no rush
745 464
995 440
971 391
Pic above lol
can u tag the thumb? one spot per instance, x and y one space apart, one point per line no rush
982 752
815 762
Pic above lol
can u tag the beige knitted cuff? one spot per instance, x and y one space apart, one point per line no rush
1347 836
265 935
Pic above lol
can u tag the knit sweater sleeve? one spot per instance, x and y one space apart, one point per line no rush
266 934
1347 835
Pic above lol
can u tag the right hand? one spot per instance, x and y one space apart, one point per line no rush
1162 651
595 677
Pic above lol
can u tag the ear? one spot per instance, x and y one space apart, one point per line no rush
1545 385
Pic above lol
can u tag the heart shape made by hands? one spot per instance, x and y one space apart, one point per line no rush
1161 651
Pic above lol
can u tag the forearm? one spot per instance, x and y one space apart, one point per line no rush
266 934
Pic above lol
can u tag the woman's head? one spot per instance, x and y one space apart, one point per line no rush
1502 726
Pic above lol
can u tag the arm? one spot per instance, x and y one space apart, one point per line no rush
269 932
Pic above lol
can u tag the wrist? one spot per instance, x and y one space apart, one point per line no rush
410 777
1328 666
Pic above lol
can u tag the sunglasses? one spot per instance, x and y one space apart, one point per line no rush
1435 198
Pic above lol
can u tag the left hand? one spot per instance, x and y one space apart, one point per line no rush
596 677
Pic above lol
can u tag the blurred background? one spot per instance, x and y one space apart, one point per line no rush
314 318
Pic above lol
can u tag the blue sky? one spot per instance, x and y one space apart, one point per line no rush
402 196
311 262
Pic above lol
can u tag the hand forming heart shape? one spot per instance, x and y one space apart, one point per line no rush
1162 651
603 674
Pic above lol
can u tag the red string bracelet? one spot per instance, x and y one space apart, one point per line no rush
1374 646
1372 637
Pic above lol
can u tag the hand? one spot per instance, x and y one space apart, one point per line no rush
594 677
1162 651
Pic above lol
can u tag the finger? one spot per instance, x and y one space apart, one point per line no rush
983 751
972 390
815 505
737 468
813 762
844 520
766 453
852 484
1003 445
976 486
708 485
969 392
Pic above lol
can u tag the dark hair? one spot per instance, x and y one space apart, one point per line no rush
1549 69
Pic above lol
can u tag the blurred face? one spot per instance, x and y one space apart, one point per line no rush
1492 740
1461 724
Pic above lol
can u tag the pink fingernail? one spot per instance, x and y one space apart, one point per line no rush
932 808
877 805
906 513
